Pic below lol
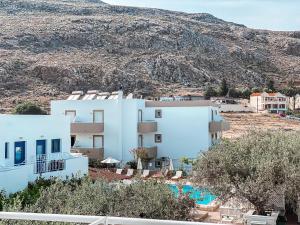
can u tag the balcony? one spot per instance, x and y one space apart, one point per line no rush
92 153
218 126
147 127
43 166
87 128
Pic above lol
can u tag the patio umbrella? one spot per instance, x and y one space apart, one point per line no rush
171 166
139 164
110 160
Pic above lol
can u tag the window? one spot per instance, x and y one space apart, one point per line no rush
158 138
98 116
140 141
158 113
140 115
55 145
6 150
71 114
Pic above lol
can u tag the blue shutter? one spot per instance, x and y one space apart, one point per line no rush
6 150
55 145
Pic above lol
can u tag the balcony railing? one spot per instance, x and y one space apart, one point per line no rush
49 166
92 220
147 126
87 128
92 153
218 126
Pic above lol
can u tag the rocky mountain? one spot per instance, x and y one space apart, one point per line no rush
50 47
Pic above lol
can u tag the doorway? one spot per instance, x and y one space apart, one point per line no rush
19 152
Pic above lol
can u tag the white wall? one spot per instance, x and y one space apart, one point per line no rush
184 131
120 123
17 178
30 128
236 108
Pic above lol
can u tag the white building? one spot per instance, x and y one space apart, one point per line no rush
271 102
106 125
34 146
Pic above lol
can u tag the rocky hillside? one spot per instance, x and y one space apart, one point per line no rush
51 47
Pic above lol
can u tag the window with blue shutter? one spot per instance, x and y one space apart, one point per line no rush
55 145
6 150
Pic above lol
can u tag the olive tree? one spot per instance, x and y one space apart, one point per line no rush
149 199
253 167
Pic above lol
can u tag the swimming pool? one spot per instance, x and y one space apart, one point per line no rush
200 196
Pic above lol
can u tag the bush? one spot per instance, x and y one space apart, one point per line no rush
29 108
132 164
140 200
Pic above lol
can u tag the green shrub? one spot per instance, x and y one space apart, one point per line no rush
132 164
29 108
142 199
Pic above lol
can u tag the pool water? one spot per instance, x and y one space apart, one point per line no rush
200 196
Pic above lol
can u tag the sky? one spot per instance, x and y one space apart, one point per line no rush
280 15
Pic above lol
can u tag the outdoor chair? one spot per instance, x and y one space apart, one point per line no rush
129 173
119 171
178 175
146 173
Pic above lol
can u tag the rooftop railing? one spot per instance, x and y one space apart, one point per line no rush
92 220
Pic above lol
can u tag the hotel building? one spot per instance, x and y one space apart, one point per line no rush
111 125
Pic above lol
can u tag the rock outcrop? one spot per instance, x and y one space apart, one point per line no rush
49 48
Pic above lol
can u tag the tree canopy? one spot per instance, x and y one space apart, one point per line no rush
253 167
29 108
224 88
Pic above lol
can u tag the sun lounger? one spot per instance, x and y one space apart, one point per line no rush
129 173
119 171
177 176
146 173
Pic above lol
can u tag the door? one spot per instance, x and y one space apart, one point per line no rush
140 141
19 152
71 114
97 141
140 115
98 116
73 140
40 147
40 156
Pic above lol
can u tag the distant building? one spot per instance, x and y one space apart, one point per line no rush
294 102
224 100
106 125
270 102
35 146
189 97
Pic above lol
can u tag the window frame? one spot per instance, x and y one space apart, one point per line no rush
6 151
98 111
52 145
155 138
158 113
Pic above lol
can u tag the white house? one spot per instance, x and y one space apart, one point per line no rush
271 102
106 125
34 146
